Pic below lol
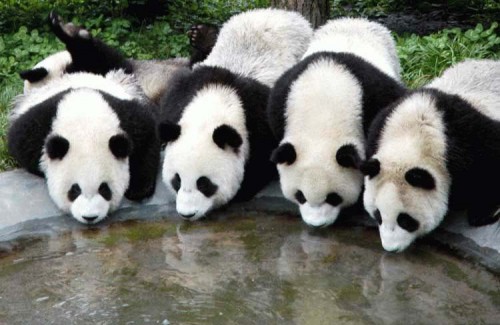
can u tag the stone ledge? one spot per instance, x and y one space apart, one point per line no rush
28 213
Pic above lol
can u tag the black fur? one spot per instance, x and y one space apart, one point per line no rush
347 156
120 146
299 196
56 147
205 186
74 192
168 131
370 168
419 177
176 182
378 216
105 191
34 75
226 134
333 199
87 53
407 222
202 38
284 154
26 135
258 169
137 119
378 89
472 154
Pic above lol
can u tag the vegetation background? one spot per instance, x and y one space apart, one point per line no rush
152 29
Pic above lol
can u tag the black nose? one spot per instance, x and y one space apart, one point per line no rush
89 218
187 216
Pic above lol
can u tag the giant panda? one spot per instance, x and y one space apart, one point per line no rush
213 119
436 148
94 56
320 110
91 136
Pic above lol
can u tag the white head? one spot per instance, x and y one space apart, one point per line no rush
206 151
49 69
85 157
323 142
407 182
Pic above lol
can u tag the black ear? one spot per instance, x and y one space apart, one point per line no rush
168 131
56 147
226 134
34 75
285 153
120 146
347 156
370 167
419 177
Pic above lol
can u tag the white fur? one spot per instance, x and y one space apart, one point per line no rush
368 40
477 81
413 136
323 113
55 65
89 161
116 83
261 44
194 154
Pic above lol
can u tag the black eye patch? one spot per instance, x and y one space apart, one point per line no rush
378 216
421 178
205 186
176 182
105 191
74 192
407 222
285 153
347 156
333 199
56 147
299 196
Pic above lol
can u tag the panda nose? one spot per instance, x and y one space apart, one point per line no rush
187 216
89 218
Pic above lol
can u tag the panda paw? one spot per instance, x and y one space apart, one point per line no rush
67 32
203 36
483 220
139 194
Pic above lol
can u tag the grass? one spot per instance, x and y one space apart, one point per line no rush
422 57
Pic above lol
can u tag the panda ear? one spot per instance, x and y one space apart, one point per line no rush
56 147
120 146
168 131
34 75
370 168
225 134
347 156
285 153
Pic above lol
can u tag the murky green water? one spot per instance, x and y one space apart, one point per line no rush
239 270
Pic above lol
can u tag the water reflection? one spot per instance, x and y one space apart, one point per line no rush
240 270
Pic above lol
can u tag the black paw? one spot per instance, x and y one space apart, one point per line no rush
478 221
203 36
67 32
139 194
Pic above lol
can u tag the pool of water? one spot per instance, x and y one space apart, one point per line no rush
238 269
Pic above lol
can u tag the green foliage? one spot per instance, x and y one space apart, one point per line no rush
424 57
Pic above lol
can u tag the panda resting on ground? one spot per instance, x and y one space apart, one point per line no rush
91 135
94 56
320 111
437 148
213 119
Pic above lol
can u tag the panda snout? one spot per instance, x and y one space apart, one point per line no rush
89 219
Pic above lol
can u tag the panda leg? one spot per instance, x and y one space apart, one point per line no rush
88 54
483 213
202 38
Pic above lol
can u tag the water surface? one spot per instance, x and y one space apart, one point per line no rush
239 269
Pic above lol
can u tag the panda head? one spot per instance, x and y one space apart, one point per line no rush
205 152
320 180
406 181
47 70
86 168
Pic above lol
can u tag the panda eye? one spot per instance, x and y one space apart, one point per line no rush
378 216
407 222
176 182
105 191
300 197
74 192
418 177
205 186
333 199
